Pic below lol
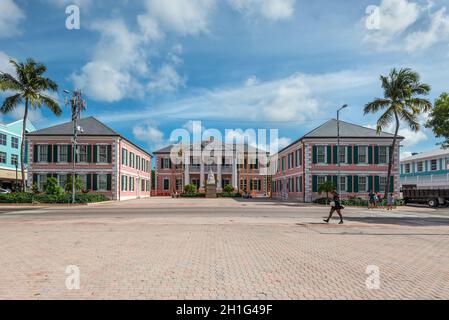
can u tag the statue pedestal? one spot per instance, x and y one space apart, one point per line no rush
211 191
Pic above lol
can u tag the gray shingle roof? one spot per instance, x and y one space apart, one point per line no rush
90 125
347 130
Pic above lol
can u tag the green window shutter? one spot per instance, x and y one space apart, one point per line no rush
109 182
349 183
392 184
89 182
35 153
370 183
329 178
49 158
370 154
356 184
109 154
314 154
349 156
95 154
69 153
335 155
34 178
95 182
55 154
314 184
89 153
329 154
335 182
356 154
376 155
376 183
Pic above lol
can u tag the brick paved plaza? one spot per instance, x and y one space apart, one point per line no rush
222 249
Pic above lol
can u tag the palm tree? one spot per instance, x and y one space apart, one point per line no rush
31 87
326 187
401 102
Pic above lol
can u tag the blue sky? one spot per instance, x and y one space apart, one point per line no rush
147 67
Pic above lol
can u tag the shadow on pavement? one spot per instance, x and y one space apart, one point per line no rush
402 221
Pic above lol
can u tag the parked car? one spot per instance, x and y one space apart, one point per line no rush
4 191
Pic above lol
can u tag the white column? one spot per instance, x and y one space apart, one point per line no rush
234 173
202 174
219 165
186 165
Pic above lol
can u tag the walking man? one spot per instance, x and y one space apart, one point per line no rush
335 206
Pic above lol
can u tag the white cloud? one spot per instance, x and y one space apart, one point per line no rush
269 9
396 16
411 138
34 115
189 125
10 17
150 134
166 79
251 81
438 31
5 65
80 3
185 17
297 98
405 154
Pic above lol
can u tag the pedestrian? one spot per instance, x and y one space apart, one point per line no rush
390 201
371 200
376 200
335 206
380 200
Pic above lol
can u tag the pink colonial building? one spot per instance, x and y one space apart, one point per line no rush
106 162
301 167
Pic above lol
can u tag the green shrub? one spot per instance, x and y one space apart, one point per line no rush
18 197
190 189
357 202
52 188
79 185
193 195
229 188
22 197
229 195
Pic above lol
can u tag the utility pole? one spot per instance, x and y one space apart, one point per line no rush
78 104
338 148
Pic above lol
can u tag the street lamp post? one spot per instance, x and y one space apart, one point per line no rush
338 148
17 168
78 105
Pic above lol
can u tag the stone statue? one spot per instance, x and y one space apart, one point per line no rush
211 178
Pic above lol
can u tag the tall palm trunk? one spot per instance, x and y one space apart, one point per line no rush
391 155
22 146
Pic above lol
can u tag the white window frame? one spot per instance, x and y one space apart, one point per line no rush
60 153
40 148
365 148
5 157
382 178
16 144
343 149
79 153
365 189
418 165
431 165
3 139
343 185
13 163
102 178
324 149
387 151
65 181
324 178
407 168
99 154
41 180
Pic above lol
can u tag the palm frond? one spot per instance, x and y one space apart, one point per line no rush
50 103
376 105
419 105
8 82
411 119
385 119
11 103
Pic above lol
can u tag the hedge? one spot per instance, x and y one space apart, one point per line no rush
193 195
21 197
229 195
